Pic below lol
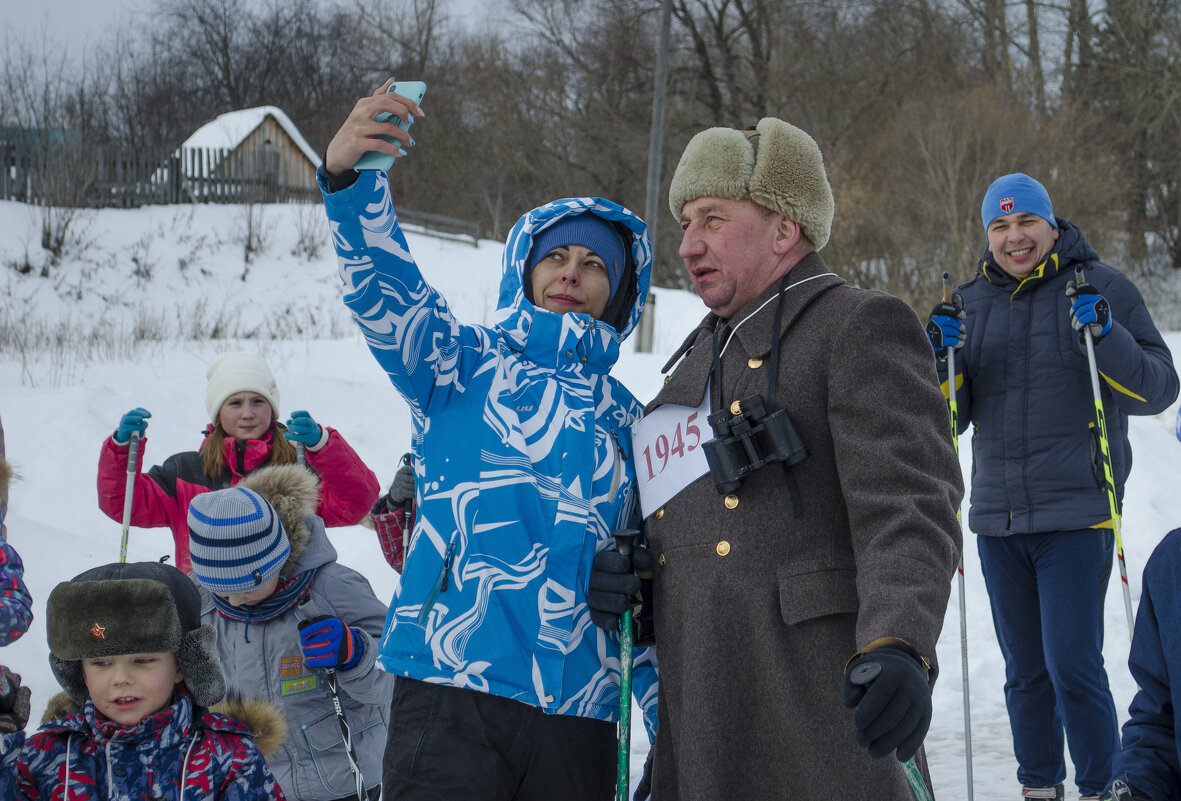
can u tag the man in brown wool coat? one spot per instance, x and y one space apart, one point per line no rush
773 586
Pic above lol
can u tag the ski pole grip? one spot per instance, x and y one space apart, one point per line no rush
624 539
132 452
946 287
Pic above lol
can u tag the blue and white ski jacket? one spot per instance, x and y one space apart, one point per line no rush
523 465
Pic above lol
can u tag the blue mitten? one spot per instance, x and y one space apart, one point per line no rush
891 701
1089 308
945 328
134 422
327 642
302 428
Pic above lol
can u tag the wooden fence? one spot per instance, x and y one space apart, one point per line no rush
94 176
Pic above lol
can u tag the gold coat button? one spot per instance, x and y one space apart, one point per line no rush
660 560
754 363
660 513
735 408
723 548
731 501
668 378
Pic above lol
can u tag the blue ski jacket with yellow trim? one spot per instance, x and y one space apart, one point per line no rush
1024 383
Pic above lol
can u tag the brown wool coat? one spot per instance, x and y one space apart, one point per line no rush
753 635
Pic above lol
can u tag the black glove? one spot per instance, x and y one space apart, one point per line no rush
888 691
402 487
15 704
945 326
614 586
644 788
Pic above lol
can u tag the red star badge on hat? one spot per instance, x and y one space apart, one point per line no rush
98 632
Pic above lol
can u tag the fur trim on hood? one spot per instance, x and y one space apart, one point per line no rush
5 474
294 491
264 719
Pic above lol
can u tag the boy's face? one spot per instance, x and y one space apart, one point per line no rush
254 597
129 687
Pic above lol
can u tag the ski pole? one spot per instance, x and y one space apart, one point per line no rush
953 408
864 674
623 544
301 456
307 613
346 732
128 491
1108 470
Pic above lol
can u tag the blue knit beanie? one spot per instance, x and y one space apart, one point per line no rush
1015 193
236 541
591 232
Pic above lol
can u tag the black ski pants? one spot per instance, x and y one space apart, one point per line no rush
451 744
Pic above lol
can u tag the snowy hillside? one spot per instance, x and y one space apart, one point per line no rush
67 373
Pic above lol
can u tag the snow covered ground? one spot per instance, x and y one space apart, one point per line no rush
60 399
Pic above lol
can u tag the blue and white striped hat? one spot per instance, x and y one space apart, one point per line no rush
236 540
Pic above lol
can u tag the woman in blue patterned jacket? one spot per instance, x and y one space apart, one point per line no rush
522 449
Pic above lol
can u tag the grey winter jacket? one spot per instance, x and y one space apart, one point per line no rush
264 660
1024 383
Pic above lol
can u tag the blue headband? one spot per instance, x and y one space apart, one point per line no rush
588 230
1015 193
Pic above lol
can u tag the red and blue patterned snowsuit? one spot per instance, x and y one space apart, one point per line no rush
213 757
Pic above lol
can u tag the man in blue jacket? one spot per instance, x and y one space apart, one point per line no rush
1039 503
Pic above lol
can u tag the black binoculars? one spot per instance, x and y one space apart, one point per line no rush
745 441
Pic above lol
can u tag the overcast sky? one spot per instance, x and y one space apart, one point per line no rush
75 23
70 23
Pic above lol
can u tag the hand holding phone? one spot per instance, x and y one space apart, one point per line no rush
374 160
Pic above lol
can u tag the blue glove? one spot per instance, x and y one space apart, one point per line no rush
1089 308
891 699
134 422
302 428
328 643
945 327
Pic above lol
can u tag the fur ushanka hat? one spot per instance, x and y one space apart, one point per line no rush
774 164
132 608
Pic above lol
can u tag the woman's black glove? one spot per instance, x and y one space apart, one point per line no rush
614 586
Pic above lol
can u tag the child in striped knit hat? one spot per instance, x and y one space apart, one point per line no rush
296 628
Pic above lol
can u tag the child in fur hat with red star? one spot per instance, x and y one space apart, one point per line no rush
127 645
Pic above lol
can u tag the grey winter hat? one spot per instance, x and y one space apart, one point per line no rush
774 164
236 540
132 608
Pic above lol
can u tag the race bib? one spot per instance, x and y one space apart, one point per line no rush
668 452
